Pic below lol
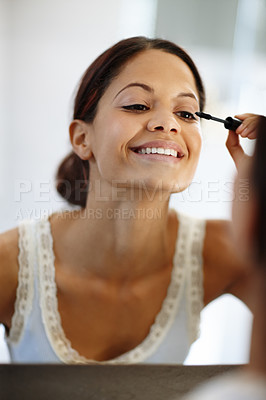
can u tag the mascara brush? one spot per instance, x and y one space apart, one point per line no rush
229 123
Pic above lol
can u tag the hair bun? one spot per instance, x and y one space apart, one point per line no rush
72 179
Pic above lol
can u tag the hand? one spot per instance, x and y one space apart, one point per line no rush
246 129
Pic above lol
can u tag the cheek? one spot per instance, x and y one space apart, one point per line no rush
116 132
110 144
194 144
239 215
106 137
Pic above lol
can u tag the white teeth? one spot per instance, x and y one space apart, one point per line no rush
158 150
173 153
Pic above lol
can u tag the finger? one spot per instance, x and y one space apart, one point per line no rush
244 132
252 135
240 129
250 131
244 116
234 148
248 126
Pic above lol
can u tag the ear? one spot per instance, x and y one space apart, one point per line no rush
79 132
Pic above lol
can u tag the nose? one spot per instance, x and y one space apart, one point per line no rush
163 122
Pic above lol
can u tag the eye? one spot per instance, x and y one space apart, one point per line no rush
186 115
136 107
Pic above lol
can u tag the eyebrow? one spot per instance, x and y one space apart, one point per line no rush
142 85
150 90
188 94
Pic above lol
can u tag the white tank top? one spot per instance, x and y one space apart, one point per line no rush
36 334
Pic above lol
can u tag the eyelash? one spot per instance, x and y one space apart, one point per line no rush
142 107
136 107
191 116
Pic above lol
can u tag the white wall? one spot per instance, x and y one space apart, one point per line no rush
50 44
3 91
3 126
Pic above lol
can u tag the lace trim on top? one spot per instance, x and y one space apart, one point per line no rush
187 260
51 316
25 288
194 262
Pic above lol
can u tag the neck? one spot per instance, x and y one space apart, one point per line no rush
121 237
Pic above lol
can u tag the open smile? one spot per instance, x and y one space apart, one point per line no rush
159 150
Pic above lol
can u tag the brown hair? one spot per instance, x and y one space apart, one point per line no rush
93 84
258 184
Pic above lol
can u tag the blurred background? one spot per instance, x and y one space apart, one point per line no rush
45 46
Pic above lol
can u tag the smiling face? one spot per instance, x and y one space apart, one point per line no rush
145 131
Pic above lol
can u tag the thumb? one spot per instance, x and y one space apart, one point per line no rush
234 148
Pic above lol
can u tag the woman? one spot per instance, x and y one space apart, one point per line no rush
120 279
249 223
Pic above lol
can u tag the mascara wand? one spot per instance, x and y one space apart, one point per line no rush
229 123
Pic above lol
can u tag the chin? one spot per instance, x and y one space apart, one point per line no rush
179 187
163 183
161 187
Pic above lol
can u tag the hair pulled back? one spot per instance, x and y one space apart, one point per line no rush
258 184
72 178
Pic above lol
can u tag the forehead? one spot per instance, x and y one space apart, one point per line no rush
156 68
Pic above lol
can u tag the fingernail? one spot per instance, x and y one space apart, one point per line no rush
240 128
245 132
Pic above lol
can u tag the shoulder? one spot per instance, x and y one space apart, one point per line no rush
218 234
8 273
222 266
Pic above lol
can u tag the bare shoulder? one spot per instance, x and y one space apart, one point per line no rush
8 273
223 270
218 233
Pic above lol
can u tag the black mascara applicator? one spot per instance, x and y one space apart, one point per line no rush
229 123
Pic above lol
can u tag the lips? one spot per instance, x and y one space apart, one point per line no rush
164 148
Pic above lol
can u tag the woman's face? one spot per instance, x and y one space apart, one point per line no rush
145 132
